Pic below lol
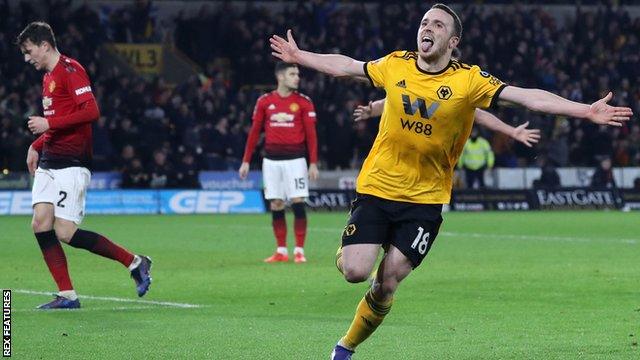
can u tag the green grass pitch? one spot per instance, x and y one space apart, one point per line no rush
535 285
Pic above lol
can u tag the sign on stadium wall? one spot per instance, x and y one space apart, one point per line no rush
144 58
327 199
205 202
149 202
538 199
578 198
631 199
330 199
229 180
478 200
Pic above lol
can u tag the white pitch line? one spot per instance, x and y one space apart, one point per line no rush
532 237
507 236
83 309
115 299
338 230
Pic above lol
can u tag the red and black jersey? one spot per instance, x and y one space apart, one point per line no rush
289 124
70 108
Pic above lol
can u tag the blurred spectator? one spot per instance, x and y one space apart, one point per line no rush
502 146
549 178
134 176
578 155
476 157
364 138
126 156
102 148
339 148
187 173
558 153
161 174
217 145
603 176
601 143
636 184
14 142
634 145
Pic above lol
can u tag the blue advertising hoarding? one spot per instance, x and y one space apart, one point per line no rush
149 202
122 202
205 202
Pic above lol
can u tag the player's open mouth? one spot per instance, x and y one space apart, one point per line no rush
426 43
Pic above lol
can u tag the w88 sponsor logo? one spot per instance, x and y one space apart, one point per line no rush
416 126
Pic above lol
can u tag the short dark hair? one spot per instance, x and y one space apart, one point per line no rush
282 66
37 32
457 24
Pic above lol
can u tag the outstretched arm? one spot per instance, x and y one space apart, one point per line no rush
372 109
486 119
520 133
332 64
543 101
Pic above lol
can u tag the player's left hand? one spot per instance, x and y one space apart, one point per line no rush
363 112
313 172
38 124
604 114
285 50
526 136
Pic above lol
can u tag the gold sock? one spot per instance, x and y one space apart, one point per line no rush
339 260
369 315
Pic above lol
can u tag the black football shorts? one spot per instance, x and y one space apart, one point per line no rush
411 228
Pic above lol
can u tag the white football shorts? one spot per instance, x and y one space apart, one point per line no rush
65 188
285 179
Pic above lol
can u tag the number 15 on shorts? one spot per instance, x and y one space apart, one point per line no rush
300 183
421 242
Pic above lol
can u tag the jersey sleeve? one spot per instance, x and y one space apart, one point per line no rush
484 88
78 84
309 122
87 112
257 122
377 70
38 143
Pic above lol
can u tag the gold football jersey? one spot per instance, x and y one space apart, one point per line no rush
426 121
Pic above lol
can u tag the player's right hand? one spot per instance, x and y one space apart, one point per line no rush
285 50
32 160
244 170
363 112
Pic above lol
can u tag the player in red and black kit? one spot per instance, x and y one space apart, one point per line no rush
60 159
288 119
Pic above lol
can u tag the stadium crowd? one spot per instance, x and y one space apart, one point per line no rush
160 135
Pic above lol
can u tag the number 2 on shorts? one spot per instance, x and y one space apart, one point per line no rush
64 196
421 241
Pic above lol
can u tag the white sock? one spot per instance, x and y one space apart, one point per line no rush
282 250
68 294
298 250
134 264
